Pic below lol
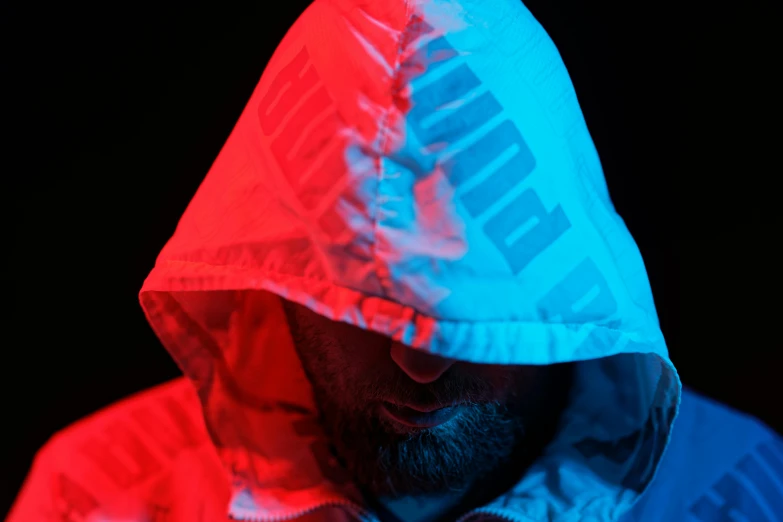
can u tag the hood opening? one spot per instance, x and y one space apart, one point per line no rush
235 347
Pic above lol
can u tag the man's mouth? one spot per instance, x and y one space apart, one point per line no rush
419 416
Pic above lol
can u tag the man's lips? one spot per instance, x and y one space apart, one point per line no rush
417 407
417 416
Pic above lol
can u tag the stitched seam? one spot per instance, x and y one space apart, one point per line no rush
383 134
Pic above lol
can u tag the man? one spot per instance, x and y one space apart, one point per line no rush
402 293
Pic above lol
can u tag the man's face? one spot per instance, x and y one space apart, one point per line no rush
369 389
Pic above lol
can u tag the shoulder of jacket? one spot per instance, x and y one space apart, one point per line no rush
178 390
704 417
719 460
112 451
162 418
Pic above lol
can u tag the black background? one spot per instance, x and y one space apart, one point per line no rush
122 110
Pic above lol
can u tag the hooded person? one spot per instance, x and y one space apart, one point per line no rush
402 293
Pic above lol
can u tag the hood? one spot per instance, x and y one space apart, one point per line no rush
422 169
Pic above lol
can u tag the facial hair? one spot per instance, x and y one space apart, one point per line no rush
388 460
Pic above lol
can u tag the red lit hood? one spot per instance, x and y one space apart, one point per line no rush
421 169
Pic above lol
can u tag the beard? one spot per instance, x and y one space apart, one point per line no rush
389 460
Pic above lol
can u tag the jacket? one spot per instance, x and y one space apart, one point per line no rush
422 169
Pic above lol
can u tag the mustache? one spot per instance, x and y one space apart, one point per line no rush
451 388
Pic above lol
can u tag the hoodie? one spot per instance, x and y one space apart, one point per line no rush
421 169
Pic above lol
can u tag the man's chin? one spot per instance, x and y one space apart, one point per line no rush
392 459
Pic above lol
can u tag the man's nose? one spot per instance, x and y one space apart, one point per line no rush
420 366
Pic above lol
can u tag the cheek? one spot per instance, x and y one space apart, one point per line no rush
362 352
350 363
512 381
363 365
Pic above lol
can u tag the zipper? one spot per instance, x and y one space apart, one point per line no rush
354 509
488 511
361 513
364 515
